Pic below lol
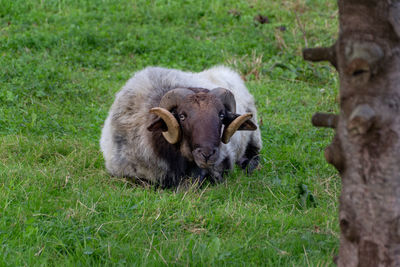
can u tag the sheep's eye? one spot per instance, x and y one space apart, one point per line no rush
221 116
182 117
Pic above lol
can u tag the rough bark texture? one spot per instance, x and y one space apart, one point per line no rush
366 147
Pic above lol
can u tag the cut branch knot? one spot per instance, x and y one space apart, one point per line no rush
363 60
361 120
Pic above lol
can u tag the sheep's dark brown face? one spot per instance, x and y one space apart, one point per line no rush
193 119
201 117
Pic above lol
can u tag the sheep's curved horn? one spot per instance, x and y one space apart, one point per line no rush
234 126
226 98
174 131
171 99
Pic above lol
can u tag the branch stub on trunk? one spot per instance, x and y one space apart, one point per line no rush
321 54
325 120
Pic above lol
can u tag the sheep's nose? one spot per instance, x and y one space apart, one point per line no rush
207 152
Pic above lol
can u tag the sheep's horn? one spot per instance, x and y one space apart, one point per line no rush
168 102
234 126
174 131
172 98
227 98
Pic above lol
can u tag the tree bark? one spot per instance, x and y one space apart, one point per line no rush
366 147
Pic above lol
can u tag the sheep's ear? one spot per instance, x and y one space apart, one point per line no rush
158 125
247 125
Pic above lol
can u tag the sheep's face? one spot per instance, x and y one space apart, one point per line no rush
194 119
201 117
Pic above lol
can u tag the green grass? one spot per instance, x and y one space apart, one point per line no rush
62 61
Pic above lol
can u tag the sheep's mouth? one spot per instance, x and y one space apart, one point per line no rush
203 165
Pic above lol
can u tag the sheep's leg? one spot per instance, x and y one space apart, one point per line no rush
203 175
253 164
250 159
217 177
249 164
214 175
170 181
199 175
243 162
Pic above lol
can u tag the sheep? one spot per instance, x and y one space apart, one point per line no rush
166 125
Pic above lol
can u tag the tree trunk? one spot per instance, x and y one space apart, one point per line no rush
366 147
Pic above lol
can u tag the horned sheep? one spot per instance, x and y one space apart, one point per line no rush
166 125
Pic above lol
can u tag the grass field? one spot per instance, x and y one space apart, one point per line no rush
62 61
